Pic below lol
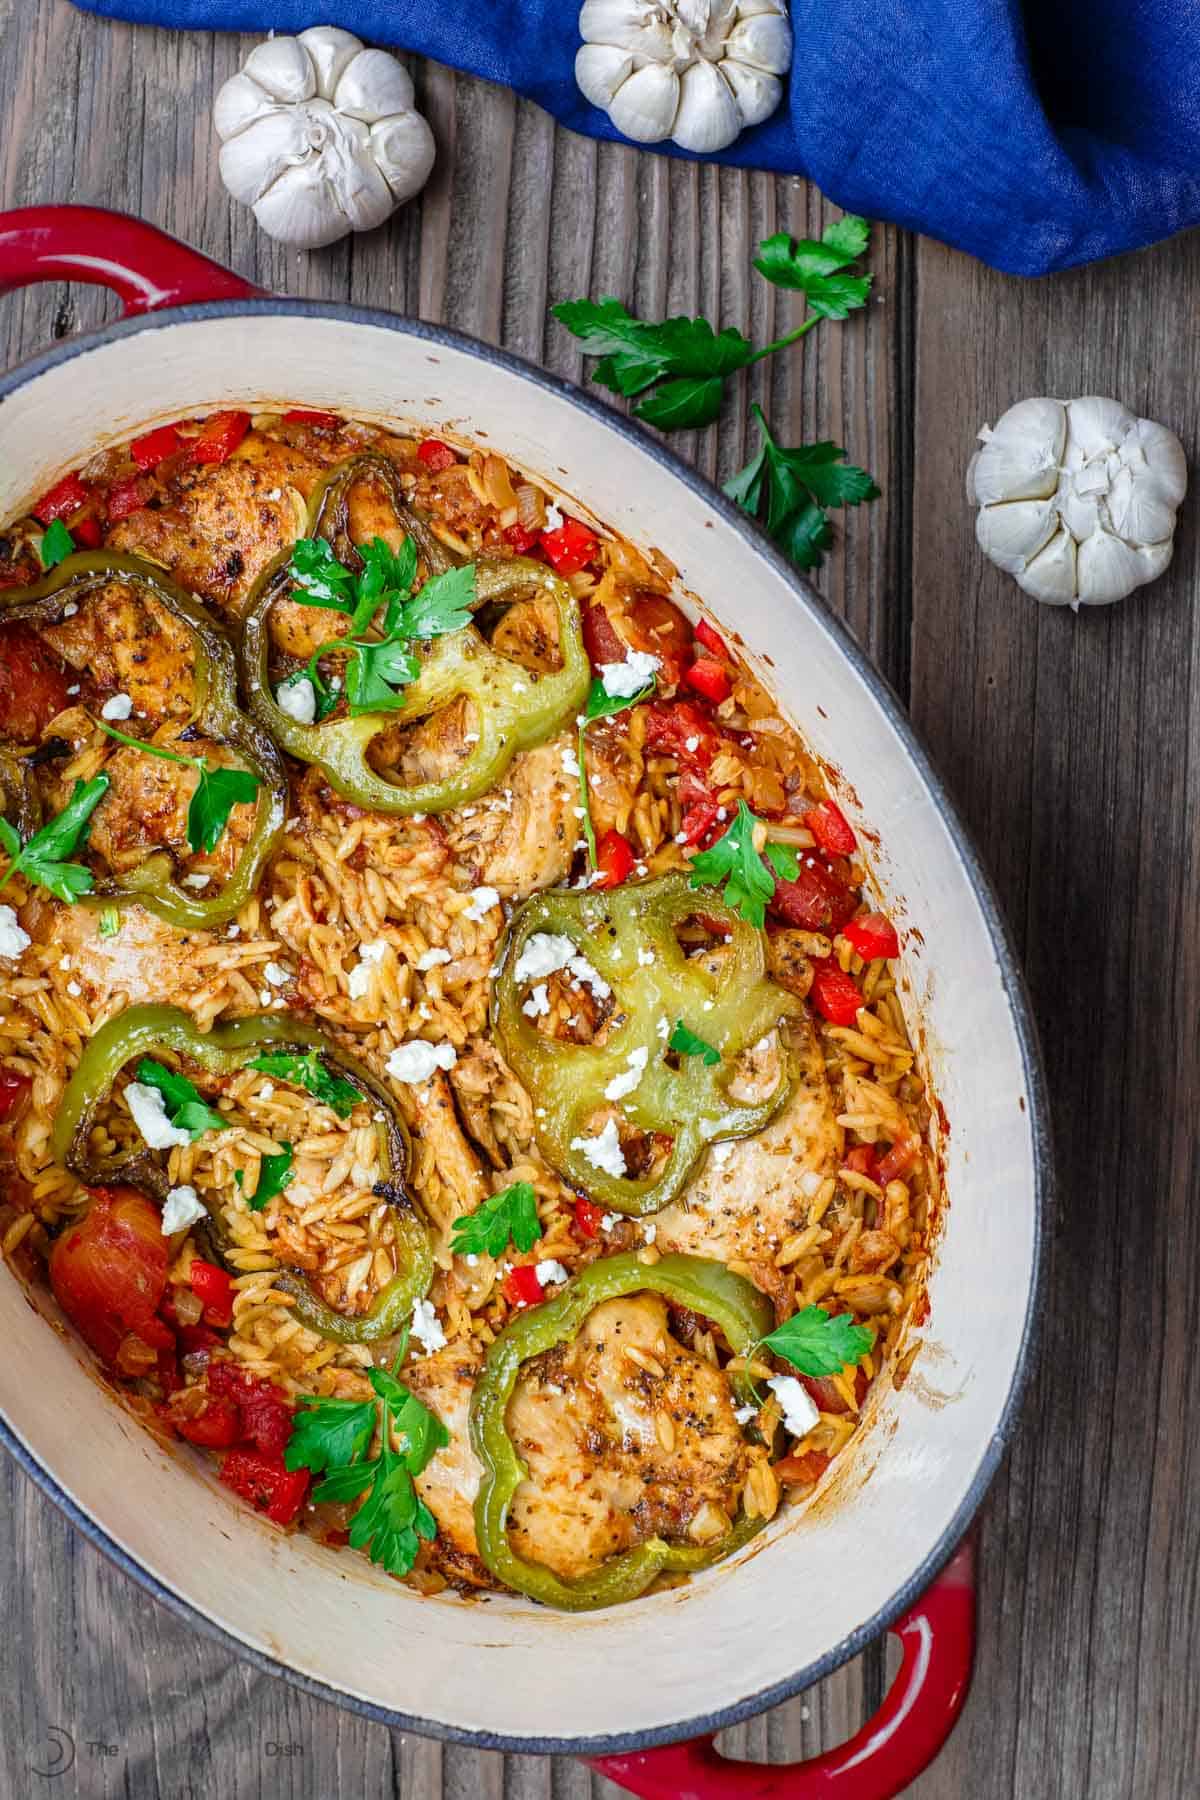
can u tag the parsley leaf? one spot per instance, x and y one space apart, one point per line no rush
600 704
393 1517
376 673
216 793
635 354
817 269
274 1173
818 1344
784 861
325 580
686 1043
308 1071
797 487
44 858
55 544
444 604
733 860
509 1214
420 1431
185 1108
328 1433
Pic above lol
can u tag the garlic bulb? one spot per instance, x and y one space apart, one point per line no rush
696 71
1077 498
320 137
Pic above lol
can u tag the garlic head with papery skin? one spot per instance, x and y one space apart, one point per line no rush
1077 498
695 71
319 135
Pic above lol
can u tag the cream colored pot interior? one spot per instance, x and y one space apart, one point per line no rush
502 1666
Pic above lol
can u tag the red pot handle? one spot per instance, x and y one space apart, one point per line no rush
143 265
878 1762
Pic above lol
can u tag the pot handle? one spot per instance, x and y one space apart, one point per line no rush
938 1639
145 266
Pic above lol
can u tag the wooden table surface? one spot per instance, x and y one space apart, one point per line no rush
1073 746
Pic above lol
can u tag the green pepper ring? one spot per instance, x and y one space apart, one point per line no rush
215 711
227 1047
743 1314
516 708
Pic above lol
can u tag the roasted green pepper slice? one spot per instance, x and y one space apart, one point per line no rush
142 1030
628 934
515 708
215 713
743 1314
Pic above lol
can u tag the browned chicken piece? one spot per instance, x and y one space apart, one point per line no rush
227 521
146 806
614 772
446 1171
372 515
127 643
429 750
444 1383
788 960
528 633
493 1106
749 1195
626 1435
522 836
146 960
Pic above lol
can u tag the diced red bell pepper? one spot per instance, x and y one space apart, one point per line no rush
147 452
614 861
264 1410
679 729
220 436
827 822
709 679
64 498
712 640
320 421
898 1160
700 808
601 639
863 1159
266 1484
215 1288
197 1340
14 1093
519 539
834 995
816 900
802 1471
825 1394
125 497
88 533
587 1218
570 547
521 1286
217 1426
873 936
436 456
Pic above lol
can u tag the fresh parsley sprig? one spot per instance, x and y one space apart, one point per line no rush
216 794
44 858
791 492
185 1107
819 1343
510 1214
749 881
308 1071
275 1171
55 544
600 704
332 1438
685 1042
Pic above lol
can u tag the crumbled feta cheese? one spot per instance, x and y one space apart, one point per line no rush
119 707
645 958
266 1091
609 1220
551 1270
416 1060
570 761
810 1183
359 978
181 1208
74 989
483 901
64 963
298 699
234 931
744 1414
692 743
625 679
623 1084
70 609
681 837
471 1261
722 812
538 1003
470 737
276 974
554 518
274 494
649 1233
149 1113
604 1151
427 1327
432 959
196 881
13 938
722 1152
543 954
74 689
663 1029
800 1413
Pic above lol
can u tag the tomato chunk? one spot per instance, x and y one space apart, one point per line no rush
108 1272
125 497
601 639
660 627
220 436
264 1411
701 808
217 1426
834 995
88 533
519 539
320 421
65 497
828 825
521 1286
863 1159
436 456
816 900
587 1218
33 687
825 1393
266 1484
614 860
709 679
802 1471
215 1288
570 547
680 729
873 936
14 1094
147 452
898 1160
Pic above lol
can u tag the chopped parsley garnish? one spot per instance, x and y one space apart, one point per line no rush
216 794
333 1437
274 1173
600 705
55 544
185 1108
44 858
511 1214
749 882
791 491
308 1071
378 668
816 1343
686 1043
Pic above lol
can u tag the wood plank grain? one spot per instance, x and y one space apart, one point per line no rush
519 213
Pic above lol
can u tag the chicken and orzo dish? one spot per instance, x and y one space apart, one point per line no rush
451 1070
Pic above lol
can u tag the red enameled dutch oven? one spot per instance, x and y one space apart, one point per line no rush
883 1547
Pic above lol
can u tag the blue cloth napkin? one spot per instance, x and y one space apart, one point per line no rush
1033 136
